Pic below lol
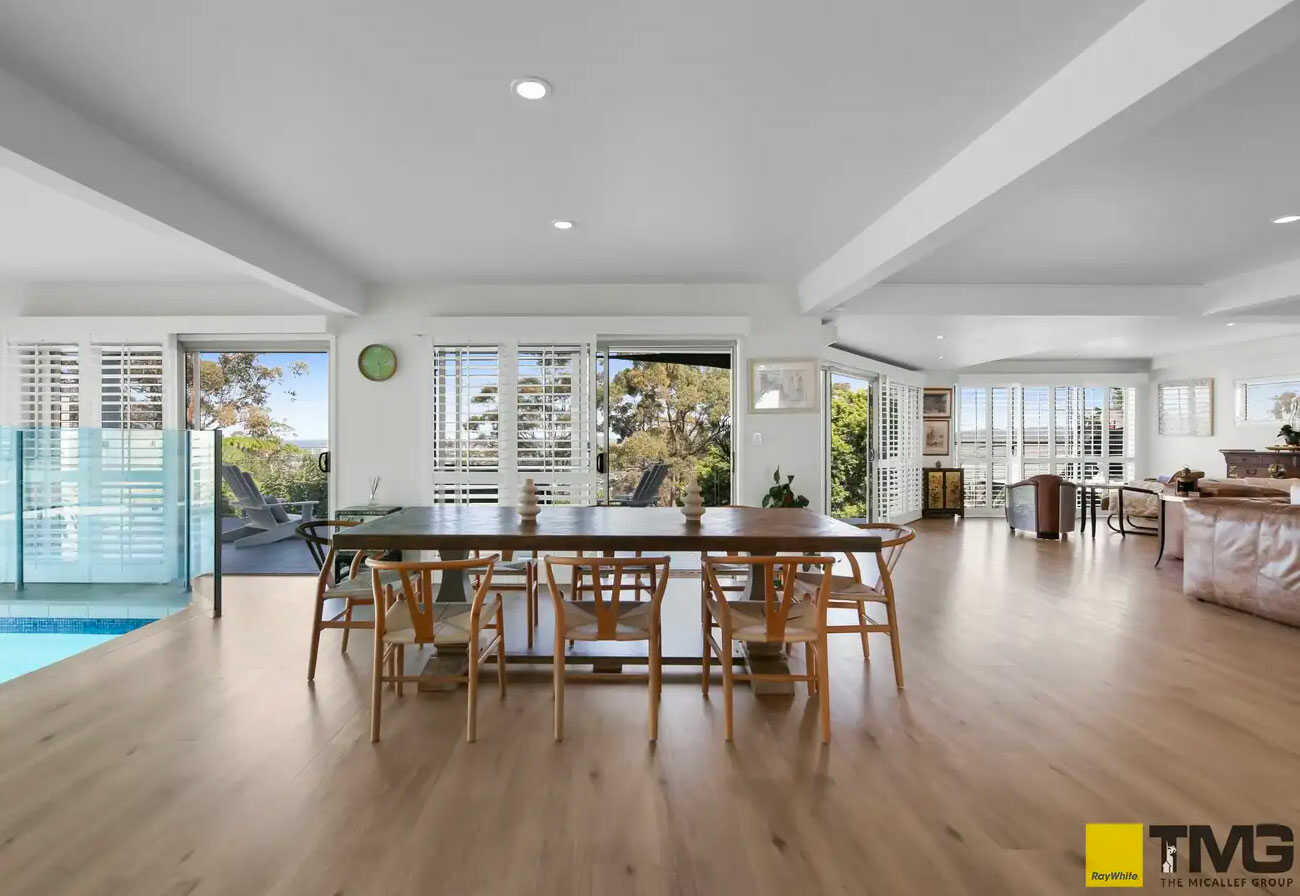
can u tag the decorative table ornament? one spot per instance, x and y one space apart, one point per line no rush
528 506
693 504
374 487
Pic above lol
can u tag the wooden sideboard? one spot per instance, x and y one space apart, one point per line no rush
944 491
1244 463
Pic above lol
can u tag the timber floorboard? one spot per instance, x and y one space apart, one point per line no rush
1048 685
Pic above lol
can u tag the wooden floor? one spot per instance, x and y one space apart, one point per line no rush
1048 685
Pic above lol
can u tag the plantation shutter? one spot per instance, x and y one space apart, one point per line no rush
505 413
553 411
131 535
48 379
1186 408
467 461
898 467
131 387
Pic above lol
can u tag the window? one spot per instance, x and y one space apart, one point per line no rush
132 456
1077 432
552 445
1186 408
1272 401
505 413
985 435
48 377
898 471
466 424
49 385
131 387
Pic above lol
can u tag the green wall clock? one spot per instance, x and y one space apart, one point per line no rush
377 362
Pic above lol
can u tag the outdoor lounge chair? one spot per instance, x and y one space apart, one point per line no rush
265 519
647 490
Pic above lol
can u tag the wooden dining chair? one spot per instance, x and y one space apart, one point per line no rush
783 616
407 614
853 592
581 579
608 616
352 587
506 575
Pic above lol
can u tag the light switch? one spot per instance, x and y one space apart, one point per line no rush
757 438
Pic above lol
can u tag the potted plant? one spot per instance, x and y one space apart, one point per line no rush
781 495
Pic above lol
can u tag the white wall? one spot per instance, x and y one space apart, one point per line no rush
1227 364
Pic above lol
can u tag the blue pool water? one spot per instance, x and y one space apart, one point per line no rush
27 644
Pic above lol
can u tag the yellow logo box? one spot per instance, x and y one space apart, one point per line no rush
1112 855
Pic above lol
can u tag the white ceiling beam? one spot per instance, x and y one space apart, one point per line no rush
1026 299
1263 286
48 142
1159 57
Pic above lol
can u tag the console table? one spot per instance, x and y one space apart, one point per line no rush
1247 463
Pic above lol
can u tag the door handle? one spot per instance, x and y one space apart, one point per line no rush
323 461
600 462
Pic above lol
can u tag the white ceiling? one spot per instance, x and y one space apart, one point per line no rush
48 235
911 339
1189 201
691 140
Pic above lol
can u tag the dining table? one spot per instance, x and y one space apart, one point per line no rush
454 530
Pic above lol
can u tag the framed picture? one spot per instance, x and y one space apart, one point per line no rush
936 403
782 384
936 437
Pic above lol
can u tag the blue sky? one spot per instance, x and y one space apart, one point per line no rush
308 413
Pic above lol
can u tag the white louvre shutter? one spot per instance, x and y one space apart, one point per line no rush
1186 408
552 410
467 456
48 379
131 387
131 537
898 467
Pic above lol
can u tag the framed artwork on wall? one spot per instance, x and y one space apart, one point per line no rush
937 434
936 403
779 385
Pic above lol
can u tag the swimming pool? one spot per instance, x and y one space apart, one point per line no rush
28 643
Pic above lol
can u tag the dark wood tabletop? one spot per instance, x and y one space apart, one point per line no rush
458 527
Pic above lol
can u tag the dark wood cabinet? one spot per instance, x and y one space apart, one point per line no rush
1244 463
944 491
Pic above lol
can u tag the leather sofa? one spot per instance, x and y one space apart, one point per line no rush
1276 490
1043 504
1244 553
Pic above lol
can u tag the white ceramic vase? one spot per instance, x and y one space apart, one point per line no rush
528 506
693 503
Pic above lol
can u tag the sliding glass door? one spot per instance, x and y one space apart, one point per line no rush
272 405
667 403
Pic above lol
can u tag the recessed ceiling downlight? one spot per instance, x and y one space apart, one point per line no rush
530 88
1286 219
561 224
